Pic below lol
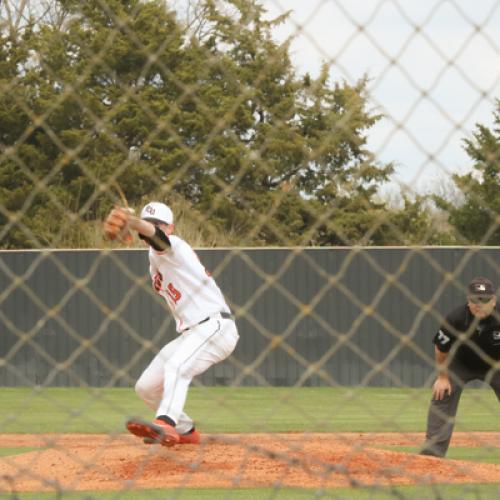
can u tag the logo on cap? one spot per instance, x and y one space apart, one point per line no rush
481 286
150 210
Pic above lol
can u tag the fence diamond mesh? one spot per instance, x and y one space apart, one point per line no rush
335 165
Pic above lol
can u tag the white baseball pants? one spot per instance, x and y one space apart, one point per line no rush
164 383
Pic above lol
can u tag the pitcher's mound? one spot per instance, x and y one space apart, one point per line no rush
121 462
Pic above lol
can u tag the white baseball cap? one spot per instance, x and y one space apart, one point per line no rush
157 212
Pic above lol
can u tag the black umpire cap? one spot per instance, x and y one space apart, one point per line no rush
482 287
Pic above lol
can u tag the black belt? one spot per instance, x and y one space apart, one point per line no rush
224 315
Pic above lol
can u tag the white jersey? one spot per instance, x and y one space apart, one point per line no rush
180 278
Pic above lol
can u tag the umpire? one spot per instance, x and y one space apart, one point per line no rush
467 347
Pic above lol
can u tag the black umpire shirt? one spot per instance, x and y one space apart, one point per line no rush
470 339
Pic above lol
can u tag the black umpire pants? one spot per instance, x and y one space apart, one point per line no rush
441 415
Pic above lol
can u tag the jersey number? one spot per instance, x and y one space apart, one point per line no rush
157 282
443 339
172 292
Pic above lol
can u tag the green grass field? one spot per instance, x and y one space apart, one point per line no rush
250 409
243 409
448 492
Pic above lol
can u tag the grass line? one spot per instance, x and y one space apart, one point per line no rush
242 409
462 492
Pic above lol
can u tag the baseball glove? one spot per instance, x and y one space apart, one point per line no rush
115 225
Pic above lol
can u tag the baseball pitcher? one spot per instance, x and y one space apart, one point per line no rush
206 327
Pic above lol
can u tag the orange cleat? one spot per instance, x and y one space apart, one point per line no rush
156 432
193 437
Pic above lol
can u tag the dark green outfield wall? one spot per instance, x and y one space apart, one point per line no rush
325 316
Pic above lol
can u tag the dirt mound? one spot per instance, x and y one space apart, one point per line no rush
122 462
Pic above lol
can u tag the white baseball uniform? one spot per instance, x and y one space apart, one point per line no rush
207 330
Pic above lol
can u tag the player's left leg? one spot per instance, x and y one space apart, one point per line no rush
198 349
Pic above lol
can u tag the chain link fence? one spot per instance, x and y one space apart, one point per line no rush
337 166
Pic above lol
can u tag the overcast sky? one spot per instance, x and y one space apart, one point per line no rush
434 69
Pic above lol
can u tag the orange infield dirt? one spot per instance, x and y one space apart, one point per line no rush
123 462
